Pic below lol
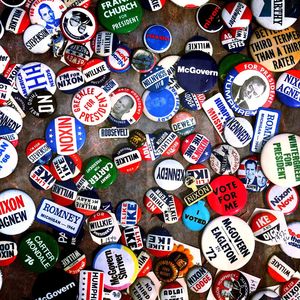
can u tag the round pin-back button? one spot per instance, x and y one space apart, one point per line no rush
155 200
166 270
182 258
143 60
133 237
6 89
111 16
145 263
8 251
155 80
9 135
189 3
174 212
125 265
11 118
172 290
157 38
41 178
127 107
199 43
249 86
197 72
96 71
81 183
224 159
69 80
38 152
100 172
35 76
196 148
275 16
200 172
231 284
127 159
63 168
266 293
288 88
128 213
192 101
73 261
290 289
137 138
77 55
87 202
153 5
292 246
15 20
8 158
105 43
196 216
169 174
199 280
236 235
166 143
280 160
142 288
91 105
208 18
282 199
161 106
64 193
231 43
78 25
119 60
32 253
183 123
10 74
277 51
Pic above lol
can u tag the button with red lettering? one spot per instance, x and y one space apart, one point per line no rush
165 270
157 38
133 237
87 202
105 43
169 174
78 25
69 80
200 172
290 289
38 152
231 284
159 242
63 168
77 55
174 212
96 71
73 261
41 177
282 199
196 148
15 20
229 195
279 267
208 18
119 60
8 251
265 294
145 263
128 213
64 192
224 160
198 279
8 158
183 123
173 290
155 200
236 235
143 288
153 5
292 247
127 159
192 101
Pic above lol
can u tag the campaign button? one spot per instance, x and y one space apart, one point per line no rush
155 200
111 15
189 3
280 160
196 148
133 237
155 80
10 74
9 135
165 270
290 289
91 282
199 43
105 43
143 60
73 261
148 152
35 76
8 251
174 212
229 195
113 133
78 25
96 71
292 246
38 152
182 258
166 143
236 235
282 199
69 80
68 241
169 174
91 105
277 51
145 263
32 253
275 15
15 20
128 213
238 132
278 268
196 216
226 284
119 60
8 158
127 160
200 172
173 290
143 288
81 183
41 177
157 38
42 104
65 135
100 172
6 90
5 59
288 88
161 106
183 123
18 103
199 279
208 18
197 72
123 261
266 293
192 101
77 55
63 168
87 202
153 5
159 242
127 107
137 138
231 43
64 193
242 34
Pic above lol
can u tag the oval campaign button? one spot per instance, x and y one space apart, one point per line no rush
199 279
279 269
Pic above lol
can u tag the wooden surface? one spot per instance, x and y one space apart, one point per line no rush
18 281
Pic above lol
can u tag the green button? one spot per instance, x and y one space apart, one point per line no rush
100 172
120 16
38 251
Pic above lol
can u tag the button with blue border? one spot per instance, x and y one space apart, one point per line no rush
157 38
155 80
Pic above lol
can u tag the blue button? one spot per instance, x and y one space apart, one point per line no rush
155 80
157 38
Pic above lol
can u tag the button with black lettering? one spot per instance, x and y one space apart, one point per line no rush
128 213
73 261
155 80
197 72
105 43
78 25
249 86
165 270
67 241
196 148
63 168
231 284
143 60
127 159
9 135
174 212
38 251
192 101
199 279
6 90
42 104
277 51
8 251
119 60
153 5
143 288
292 246
265 294
200 172
196 216
189 3
199 43
133 237
10 74
155 200
77 55
64 192
56 284
145 263
173 290
157 38
137 138
166 143
15 20
275 15
183 123
41 177
280 267
100 172
122 260
96 71
38 152
227 243
231 43
208 18
87 202
159 242
69 80
8 158
279 160
290 289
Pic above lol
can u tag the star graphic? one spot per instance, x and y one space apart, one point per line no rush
51 136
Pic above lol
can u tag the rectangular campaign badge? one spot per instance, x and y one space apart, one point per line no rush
218 112
91 285
113 133
266 126
59 217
